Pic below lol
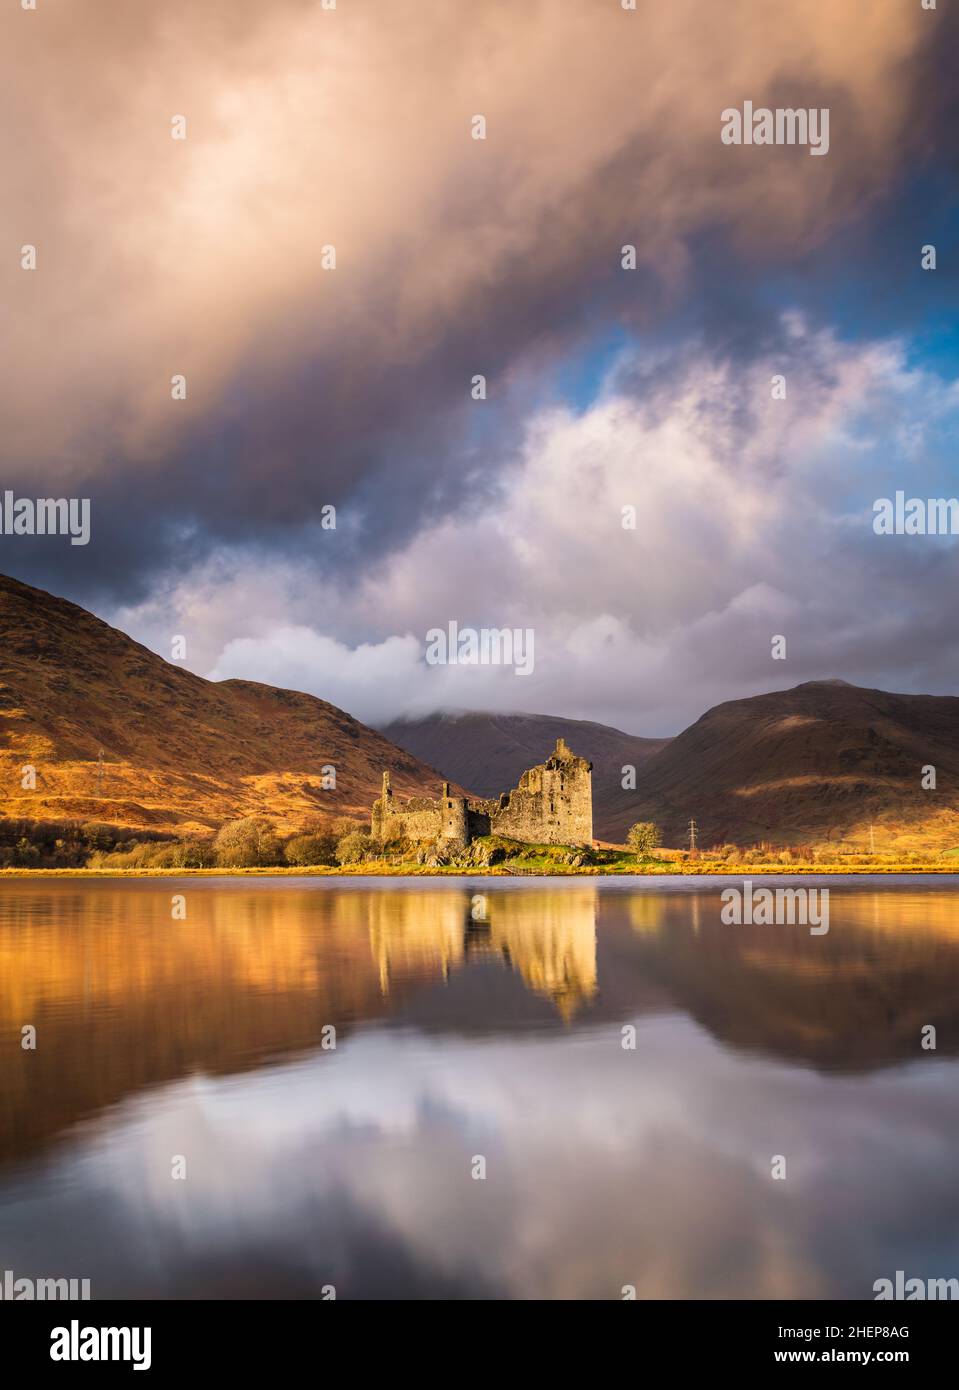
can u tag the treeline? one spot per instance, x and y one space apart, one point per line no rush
69 844
253 842
248 843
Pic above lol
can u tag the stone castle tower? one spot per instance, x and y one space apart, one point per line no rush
553 805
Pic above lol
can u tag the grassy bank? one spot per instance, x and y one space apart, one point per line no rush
378 868
342 848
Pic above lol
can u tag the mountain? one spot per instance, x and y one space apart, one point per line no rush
820 762
117 734
489 752
179 753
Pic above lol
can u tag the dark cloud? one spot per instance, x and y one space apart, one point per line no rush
454 257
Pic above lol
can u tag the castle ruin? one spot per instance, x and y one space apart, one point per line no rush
553 805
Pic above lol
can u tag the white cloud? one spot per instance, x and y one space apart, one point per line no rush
752 520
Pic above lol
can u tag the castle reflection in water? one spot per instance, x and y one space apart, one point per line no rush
475 1016
549 938
126 996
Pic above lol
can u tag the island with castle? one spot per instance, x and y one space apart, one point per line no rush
553 805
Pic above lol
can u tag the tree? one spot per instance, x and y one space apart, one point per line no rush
643 837
194 854
316 848
344 825
98 836
246 844
353 848
27 854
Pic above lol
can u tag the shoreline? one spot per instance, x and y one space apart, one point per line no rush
376 870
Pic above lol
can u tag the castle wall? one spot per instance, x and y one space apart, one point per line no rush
553 804
419 817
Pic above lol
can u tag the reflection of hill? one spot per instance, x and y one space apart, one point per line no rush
125 997
853 1000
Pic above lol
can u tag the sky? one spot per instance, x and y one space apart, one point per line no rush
311 385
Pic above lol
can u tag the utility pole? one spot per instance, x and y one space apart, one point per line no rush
100 771
872 841
692 834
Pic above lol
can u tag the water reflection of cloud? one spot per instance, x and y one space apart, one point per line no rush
605 1167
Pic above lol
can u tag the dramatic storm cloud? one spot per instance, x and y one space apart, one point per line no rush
753 518
309 129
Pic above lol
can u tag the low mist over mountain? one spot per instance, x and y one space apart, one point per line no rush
178 752
823 761
489 752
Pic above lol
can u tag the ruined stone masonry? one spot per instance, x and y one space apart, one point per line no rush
553 805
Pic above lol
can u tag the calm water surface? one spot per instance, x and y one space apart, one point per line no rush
309 1166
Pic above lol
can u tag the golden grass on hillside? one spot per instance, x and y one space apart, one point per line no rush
116 734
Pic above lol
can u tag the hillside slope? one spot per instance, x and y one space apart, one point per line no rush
488 752
820 762
178 752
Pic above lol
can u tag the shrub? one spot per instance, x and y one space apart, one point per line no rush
247 843
353 848
98 836
345 825
27 854
316 848
193 854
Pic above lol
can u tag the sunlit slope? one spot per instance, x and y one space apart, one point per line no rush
822 762
119 735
